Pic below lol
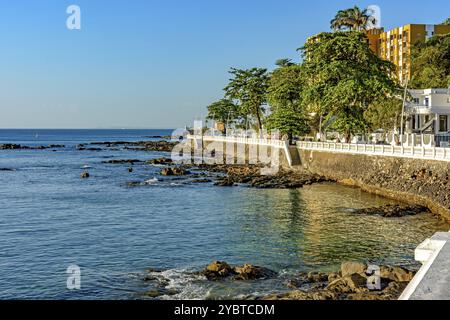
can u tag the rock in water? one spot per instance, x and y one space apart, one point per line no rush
250 272
393 211
349 268
217 270
397 274
160 161
350 284
85 175
173 172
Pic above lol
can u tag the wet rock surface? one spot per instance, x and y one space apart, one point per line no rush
350 283
339 285
160 161
163 146
218 270
12 146
250 175
174 172
393 211
122 161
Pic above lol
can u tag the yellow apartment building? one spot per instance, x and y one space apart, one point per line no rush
395 45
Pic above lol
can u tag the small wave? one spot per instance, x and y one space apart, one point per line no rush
87 167
151 181
188 283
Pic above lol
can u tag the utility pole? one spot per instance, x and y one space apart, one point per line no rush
403 110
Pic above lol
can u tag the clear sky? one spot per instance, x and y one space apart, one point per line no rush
152 64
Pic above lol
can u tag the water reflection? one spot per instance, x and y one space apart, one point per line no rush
314 228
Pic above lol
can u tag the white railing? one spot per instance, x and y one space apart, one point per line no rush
442 154
243 140
279 144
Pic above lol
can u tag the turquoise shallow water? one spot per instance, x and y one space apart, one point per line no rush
50 219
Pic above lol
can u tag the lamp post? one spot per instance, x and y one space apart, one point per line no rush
403 110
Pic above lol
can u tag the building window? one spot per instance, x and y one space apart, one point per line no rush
427 101
416 101
443 123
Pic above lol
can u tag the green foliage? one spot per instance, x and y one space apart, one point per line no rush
343 77
224 111
284 63
288 121
431 63
352 19
447 22
285 87
248 89
384 114
289 114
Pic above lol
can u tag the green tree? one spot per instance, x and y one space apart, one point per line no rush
384 114
248 88
288 121
353 19
284 94
343 77
223 111
447 22
431 63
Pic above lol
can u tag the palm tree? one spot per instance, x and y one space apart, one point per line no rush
353 19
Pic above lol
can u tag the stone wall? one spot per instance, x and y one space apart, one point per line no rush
421 182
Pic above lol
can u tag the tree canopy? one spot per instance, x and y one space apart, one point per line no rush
248 88
431 63
353 19
284 94
343 77
223 111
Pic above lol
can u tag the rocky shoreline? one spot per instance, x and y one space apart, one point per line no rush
12 146
161 146
393 211
352 282
231 175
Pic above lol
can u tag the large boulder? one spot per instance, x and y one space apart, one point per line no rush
251 272
397 274
302 296
354 283
218 270
393 211
349 268
317 277
160 161
173 172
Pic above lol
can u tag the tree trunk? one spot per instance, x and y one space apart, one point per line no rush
258 117
348 137
291 138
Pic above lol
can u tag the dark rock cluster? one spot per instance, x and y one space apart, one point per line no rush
350 283
393 211
12 146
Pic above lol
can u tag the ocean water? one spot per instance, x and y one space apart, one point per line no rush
51 219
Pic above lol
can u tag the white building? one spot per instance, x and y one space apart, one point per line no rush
429 113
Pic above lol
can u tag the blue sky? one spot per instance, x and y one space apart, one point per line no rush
148 63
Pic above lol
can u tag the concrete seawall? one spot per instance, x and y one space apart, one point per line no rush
414 181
